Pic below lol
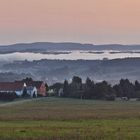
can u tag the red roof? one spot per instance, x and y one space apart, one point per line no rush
18 85
36 84
10 86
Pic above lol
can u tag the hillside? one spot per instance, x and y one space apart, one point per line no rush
50 46
58 70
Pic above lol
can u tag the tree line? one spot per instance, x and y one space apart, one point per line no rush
100 90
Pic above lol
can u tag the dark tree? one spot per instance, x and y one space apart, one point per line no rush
25 92
47 88
76 79
66 89
137 89
56 87
137 86
124 88
103 90
89 83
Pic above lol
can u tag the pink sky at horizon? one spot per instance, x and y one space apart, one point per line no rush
85 21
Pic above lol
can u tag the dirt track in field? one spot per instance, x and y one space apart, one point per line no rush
17 102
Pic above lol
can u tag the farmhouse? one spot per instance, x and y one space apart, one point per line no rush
40 85
11 87
26 86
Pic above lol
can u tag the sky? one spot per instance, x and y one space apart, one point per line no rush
83 21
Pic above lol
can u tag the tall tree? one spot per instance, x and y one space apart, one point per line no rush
66 89
88 83
76 79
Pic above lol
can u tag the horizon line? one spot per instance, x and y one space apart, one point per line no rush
69 42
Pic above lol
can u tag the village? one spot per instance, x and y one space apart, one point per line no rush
28 88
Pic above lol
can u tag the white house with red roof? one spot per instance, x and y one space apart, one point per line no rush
26 86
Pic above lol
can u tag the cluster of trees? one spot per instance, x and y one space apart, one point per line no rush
101 90
7 96
128 89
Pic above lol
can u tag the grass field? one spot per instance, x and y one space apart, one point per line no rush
70 119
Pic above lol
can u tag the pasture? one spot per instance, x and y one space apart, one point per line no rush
70 119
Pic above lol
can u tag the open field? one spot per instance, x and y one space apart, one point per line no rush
70 119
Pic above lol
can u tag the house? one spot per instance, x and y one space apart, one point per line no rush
32 91
60 92
26 87
40 85
124 98
10 87
18 88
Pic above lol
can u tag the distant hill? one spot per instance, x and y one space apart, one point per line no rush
54 71
48 46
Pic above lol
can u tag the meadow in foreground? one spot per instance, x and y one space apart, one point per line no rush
54 118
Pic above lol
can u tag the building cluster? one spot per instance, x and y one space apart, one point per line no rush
26 87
